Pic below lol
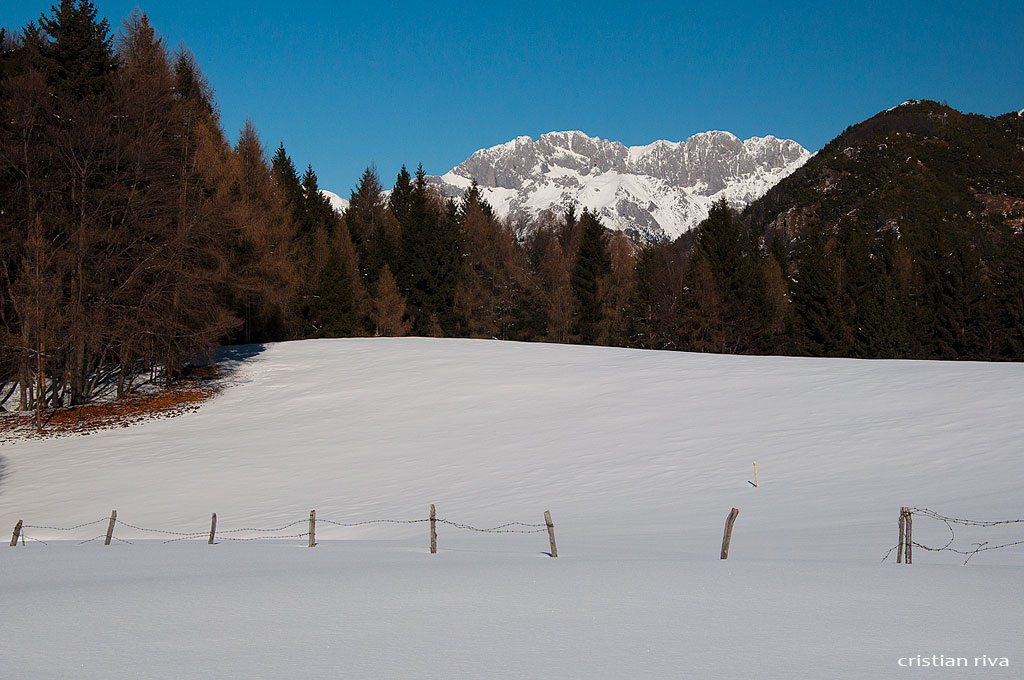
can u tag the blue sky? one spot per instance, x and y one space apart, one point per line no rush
347 84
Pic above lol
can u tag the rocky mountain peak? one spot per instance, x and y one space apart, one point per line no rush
658 190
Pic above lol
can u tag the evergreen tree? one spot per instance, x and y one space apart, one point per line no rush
816 301
374 231
430 259
400 200
283 171
331 311
77 55
592 264
958 302
735 274
1010 287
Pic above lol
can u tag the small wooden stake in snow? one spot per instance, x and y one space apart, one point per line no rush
17 533
754 483
433 530
899 546
728 532
909 537
110 527
312 528
551 532
213 528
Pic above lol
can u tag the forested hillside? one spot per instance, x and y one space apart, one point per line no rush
900 239
903 237
134 236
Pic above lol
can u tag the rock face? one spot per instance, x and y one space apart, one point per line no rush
655 191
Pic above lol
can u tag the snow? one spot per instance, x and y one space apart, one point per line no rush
637 153
909 102
659 189
639 455
339 204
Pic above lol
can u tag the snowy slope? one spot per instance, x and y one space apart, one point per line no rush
339 204
639 455
657 190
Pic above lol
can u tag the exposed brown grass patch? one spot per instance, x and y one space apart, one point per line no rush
124 412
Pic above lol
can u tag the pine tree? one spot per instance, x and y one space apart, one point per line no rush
331 311
592 264
77 56
816 301
735 271
316 211
430 259
1010 286
285 176
400 200
374 231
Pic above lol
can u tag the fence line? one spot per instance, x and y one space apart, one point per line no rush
271 533
950 522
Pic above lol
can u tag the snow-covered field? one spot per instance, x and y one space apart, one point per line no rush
638 455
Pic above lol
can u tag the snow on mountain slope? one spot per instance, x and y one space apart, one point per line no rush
657 190
339 204
638 454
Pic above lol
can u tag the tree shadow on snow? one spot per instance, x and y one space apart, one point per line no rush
3 472
232 356
227 360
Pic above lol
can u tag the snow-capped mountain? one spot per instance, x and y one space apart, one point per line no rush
659 190
339 204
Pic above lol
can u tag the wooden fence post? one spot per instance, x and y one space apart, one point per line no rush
110 527
312 528
909 537
899 546
213 528
730 520
17 533
551 532
433 530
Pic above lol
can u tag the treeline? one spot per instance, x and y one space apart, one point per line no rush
133 235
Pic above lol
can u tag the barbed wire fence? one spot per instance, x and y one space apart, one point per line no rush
215 535
906 543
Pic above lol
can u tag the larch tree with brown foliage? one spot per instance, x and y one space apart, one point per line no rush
617 290
264 277
388 307
492 280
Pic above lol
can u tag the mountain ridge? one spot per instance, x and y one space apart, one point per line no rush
653 191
